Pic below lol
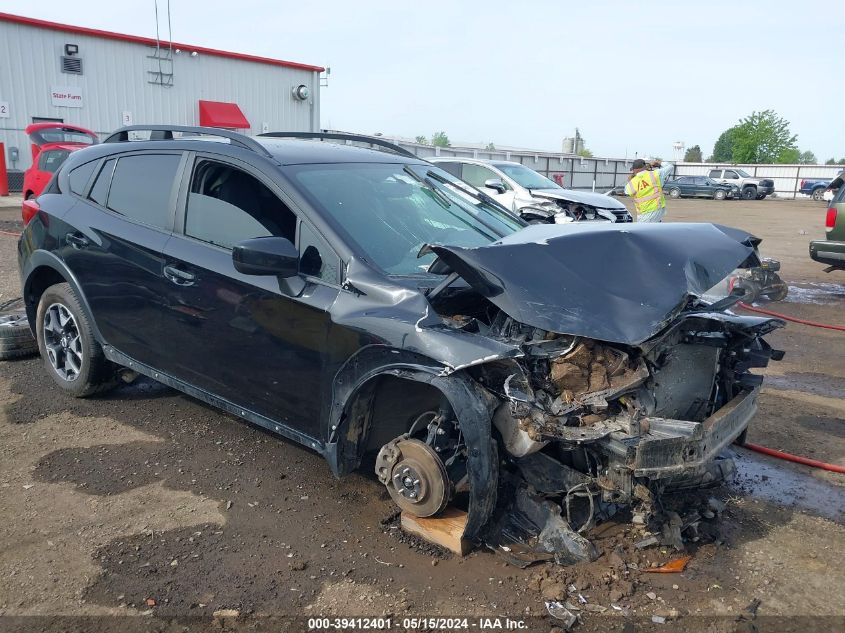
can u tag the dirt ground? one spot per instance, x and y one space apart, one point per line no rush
147 503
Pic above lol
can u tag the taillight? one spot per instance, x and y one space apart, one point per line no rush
28 211
830 219
803 182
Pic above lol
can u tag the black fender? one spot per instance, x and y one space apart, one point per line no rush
473 406
45 259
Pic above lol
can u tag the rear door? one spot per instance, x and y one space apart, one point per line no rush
113 244
257 341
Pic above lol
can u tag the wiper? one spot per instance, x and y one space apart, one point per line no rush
441 198
478 195
450 279
430 175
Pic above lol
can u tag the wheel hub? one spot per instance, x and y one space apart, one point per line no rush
418 482
62 342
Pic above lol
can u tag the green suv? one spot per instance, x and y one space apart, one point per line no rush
831 251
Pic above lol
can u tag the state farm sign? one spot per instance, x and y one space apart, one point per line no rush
66 97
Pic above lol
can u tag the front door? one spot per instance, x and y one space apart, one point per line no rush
477 175
256 341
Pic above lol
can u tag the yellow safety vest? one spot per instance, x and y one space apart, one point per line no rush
647 191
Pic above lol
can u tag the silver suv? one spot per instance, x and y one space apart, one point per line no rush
750 188
530 194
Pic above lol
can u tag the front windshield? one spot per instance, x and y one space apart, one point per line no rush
743 173
392 210
526 177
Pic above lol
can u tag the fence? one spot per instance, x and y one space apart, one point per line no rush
602 174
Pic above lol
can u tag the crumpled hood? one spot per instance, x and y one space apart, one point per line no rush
613 283
581 197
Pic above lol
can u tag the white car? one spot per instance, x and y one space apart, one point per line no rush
533 196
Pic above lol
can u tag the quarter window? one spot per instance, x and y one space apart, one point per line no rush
80 176
731 174
226 205
141 188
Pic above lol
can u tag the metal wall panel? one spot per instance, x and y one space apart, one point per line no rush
116 77
787 177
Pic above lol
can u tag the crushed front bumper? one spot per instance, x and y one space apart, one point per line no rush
678 448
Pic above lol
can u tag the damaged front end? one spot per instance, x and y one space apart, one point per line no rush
592 426
623 384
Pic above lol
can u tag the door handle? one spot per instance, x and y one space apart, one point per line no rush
77 240
178 276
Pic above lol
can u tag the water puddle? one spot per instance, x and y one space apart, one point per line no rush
774 481
818 293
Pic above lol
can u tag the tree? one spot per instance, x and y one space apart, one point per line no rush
693 155
490 147
439 139
830 161
421 140
764 137
585 153
841 161
807 158
723 150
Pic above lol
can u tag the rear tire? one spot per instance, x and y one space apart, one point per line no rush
719 194
675 193
818 194
72 356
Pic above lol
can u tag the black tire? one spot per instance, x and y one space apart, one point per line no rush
72 356
16 340
818 194
749 193
675 193
719 194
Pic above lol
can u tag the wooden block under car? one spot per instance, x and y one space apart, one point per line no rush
445 530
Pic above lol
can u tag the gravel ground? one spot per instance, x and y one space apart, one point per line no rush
144 501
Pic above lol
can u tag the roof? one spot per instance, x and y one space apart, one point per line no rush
149 41
301 151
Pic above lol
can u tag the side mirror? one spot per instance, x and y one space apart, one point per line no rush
495 184
266 256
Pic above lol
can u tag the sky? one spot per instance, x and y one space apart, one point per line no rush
633 77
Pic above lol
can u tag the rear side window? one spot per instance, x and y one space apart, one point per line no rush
51 160
80 176
715 173
100 190
227 205
452 168
141 188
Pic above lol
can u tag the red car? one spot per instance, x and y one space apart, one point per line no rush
52 143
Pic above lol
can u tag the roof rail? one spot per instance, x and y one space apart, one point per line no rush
236 138
340 136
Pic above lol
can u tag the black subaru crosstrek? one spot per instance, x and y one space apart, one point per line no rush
345 294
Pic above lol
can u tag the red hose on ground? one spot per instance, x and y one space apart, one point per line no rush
745 306
794 458
12 233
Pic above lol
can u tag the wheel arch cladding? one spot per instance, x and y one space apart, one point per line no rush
354 391
44 270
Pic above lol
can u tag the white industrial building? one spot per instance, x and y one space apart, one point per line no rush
102 80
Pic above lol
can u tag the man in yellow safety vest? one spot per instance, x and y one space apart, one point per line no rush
645 186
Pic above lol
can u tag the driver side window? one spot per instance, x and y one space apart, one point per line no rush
227 205
476 175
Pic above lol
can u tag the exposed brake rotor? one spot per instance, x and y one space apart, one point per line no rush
418 482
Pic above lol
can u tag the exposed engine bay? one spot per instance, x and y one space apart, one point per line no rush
585 426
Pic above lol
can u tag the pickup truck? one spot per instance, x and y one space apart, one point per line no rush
814 187
750 187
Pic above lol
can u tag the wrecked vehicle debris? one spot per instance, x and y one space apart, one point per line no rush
538 377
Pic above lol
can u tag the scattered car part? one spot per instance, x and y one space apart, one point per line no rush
674 566
16 340
760 281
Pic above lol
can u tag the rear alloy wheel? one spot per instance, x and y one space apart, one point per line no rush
719 194
675 193
818 194
71 354
749 193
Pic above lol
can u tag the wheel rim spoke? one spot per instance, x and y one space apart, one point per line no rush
63 342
